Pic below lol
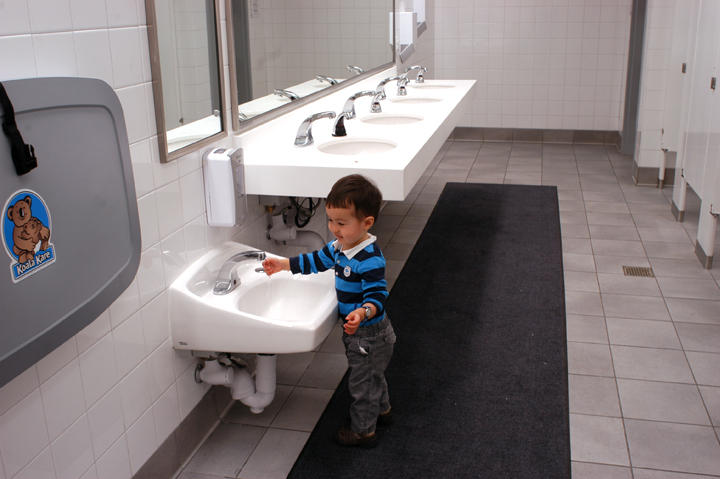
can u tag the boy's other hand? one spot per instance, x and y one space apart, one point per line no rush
272 266
353 321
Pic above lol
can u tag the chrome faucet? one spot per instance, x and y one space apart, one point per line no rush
420 71
380 93
242 116
304 134
225 283
348 112
354 69
323 78
287 94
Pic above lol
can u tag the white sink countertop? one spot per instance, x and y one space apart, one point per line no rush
274 166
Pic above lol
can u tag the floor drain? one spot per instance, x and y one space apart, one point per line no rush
638 271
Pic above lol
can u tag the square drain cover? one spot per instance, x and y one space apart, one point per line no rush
638 271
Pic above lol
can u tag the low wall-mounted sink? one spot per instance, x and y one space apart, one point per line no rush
390 119
413 100
284 313
356 146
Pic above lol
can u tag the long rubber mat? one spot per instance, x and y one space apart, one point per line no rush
478 379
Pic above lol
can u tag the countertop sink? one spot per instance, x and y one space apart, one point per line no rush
431 86
390 119
414 100
356 146
284 313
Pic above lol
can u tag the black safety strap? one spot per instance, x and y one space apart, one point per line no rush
23 155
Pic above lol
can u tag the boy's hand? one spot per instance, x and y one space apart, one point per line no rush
353 321
272 266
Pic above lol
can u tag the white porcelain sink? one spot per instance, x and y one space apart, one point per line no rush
284 313
431 86
390 119
413 100
357 146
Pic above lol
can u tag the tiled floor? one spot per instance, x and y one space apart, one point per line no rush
644 353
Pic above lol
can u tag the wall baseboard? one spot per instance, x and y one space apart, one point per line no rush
178 448
530 135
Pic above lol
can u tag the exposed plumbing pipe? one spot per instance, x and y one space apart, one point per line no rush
661 169
289 235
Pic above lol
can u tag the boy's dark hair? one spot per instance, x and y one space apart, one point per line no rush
357 191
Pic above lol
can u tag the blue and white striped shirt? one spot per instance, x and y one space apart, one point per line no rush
359 275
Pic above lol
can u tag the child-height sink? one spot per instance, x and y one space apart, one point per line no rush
284 313
356 146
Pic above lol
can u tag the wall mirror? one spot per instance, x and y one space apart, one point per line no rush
186 60
285 50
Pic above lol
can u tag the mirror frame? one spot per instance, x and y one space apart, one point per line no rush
165 155
270 115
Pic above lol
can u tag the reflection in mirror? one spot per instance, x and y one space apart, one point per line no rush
185 58
288 49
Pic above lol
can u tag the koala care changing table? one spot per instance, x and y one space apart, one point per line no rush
70 231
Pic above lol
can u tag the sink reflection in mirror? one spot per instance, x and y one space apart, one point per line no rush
391 119
357 146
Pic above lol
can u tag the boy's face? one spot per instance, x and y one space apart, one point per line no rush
349 230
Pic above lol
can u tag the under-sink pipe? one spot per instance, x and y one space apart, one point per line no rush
289 235
257 392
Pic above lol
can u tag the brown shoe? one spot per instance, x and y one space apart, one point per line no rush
347 437
386 418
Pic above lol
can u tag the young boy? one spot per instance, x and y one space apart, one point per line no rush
352 207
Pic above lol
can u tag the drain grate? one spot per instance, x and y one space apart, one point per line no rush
638 271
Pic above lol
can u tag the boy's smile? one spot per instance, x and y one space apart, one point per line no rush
349 230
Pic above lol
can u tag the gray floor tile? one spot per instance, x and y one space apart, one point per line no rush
633 285
589 359
598 439
578 262
579 281
614 264
689 288
421 210
325 371
694 310
267 462
610 219
586 329
575 231
679 268
711 398
302 409
396 251
606 207
405 236
617 248
664 235
705 367
572 218
699 337
583 303
224 453
654 474
667 402
414 222
651 364
291 367
642 332
669 250
586 470
395 208
239 413
622 233
576 245
673 447
333 343
593 395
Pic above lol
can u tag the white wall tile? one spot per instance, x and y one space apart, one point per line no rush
174 259
98 369
42 467
63 400
169 205
90 474
134 104
150 276
156 322
93 332
142 168
17 57
142 440
106 422
195 243
115 463
57 359
193 196
88 14
129 344
161 369
148 216
122 13
50 16
167 413
135 394
189 392
14 18
23 433
55 54
126 52
92 51
127 304
72 451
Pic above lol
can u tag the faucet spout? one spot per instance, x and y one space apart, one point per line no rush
421 70
224 283
348 112
286 94
304 134
380 92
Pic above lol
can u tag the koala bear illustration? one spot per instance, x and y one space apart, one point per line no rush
28 231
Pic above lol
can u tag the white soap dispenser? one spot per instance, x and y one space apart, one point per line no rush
225 199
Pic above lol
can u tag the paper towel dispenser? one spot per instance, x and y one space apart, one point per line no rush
70 228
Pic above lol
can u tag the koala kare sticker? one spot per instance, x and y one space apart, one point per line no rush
26 234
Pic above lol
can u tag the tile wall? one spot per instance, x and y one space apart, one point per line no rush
100 405
550 64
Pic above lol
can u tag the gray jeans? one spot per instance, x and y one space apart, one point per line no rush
368 353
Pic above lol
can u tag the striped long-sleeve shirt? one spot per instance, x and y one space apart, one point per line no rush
359 275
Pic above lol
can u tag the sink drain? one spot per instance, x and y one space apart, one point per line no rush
638 271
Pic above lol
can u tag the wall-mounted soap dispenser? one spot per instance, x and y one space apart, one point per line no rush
225 199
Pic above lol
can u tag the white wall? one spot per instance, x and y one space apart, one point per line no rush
550 64
102 403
